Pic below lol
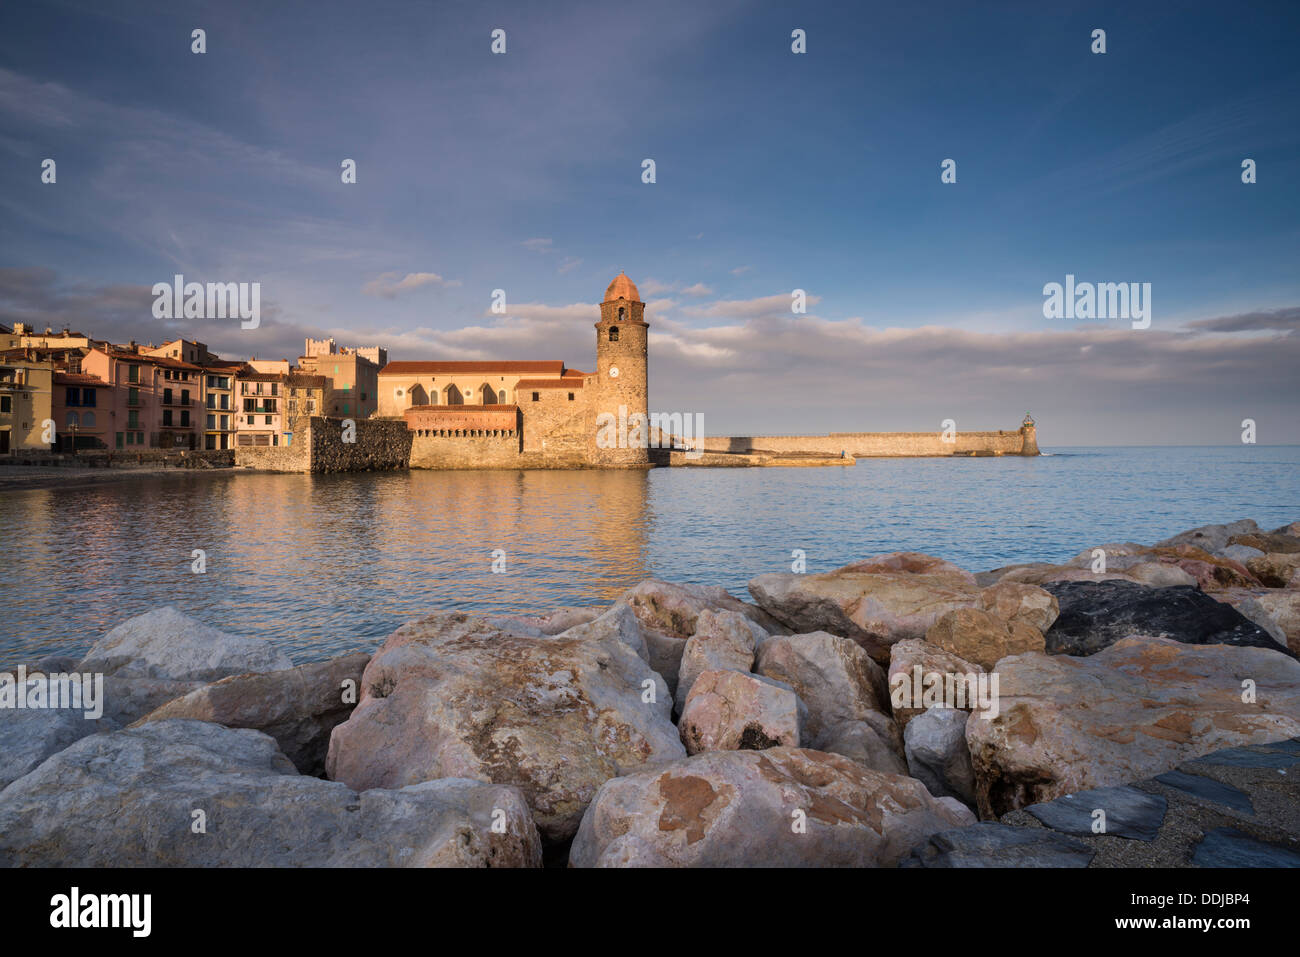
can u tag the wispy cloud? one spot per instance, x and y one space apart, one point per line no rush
390 285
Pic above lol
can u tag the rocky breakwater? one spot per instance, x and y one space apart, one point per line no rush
897 711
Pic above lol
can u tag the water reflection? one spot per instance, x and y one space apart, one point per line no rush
324 564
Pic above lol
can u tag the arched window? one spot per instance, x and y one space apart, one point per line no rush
88 420
73 421
613 333
501 397
621 314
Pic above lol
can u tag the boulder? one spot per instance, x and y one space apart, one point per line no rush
1164 566
1246 601
299 707
558 619
981 638
450 695
937 755
909 663
185 793
1094 615
784 807
668 614
1241 553
1151 703
1280 541
27 738
1212 538
875 602
1277 569
1283 607
834 677
169 646
723 640
1017 601
734 711
874 742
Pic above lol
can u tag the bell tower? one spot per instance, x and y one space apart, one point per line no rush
622 385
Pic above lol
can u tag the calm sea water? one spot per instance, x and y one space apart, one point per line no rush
321 565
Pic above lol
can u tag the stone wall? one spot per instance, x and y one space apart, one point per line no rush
381 445
880 444
556 427
465 451
276 458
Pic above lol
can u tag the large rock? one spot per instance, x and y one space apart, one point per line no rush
875 742
1284 609
1094 615
982 638
1247 601
129 799
1153 573
1187 565
669 614
556 620
875 602
784 807
937 755
834 677
1016 601
299 707
1277 569
451 695
1212 538
167 645
29 737
723 640
1151 703
910 662
1266 542
733 711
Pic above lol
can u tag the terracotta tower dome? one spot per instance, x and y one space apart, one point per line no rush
622 288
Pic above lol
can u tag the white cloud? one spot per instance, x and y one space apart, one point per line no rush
388 285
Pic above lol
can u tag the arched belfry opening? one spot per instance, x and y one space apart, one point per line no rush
622 313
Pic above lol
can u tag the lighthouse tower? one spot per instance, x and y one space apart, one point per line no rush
621 382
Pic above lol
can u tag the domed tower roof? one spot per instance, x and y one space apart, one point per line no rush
622 288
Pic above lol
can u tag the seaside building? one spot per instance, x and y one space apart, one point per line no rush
25 401
260 418
353 376
532 413
219 404
150 401
81 403
306 397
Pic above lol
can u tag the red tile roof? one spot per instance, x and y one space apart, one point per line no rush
470 368
78 378
549 384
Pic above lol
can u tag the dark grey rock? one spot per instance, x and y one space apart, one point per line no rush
990 844
1130 812
1257 756
1095 615
1229 847
1208 789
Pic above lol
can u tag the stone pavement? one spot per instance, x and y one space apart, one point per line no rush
1239 807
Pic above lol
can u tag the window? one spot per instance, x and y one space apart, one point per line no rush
133 419
185 418
570 396
622 314
268 420
185 396
139 438
167 417
132 396
132 373
501 397
536 396
345 408
6 403
118 441
73 397
293 405
613 333
167 396
88 397
88 420
212 422
72 421
130 438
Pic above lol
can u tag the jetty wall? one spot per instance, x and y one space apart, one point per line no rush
1022 441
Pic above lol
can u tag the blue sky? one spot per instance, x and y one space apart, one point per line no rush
775 171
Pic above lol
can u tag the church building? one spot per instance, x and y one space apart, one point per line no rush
532 413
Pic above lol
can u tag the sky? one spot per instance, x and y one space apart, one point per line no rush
774 171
